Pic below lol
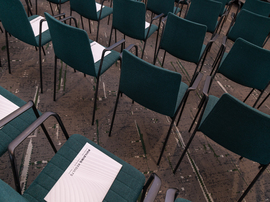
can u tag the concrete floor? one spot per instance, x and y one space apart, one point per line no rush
210 173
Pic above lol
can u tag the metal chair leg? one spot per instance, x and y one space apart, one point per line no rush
40 69
95 101
110 36
7 47
114 111
163 58
263 101
55 67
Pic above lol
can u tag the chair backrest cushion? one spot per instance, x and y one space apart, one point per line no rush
129 18
247 64
153 87
160 6
183 38
204 12
251 27
15 21
86 8
257 6
71 45
239 128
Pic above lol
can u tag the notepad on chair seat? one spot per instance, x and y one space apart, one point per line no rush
6 107
98 7
97 49
35 25
88 177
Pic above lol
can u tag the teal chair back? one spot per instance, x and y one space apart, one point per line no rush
223 2
183 38
87 8
247 64
15 21
129 18
160 6
205 12
251 27
239 128
145 84
11 130
71 45
257 6
7 193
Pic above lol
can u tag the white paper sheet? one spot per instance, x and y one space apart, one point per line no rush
88 177
147 24
35 25
98 7
6 107
97 49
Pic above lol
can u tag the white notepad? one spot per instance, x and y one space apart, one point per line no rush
88 177
97 49
147 24
35 25
6 107
98 7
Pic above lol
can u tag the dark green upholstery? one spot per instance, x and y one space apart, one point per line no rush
239 128
205 12
183 38
181 200
257 6
72 46
247 64
129 18
223 2
8 194
251 27
87 8
126 187
140 80
16 22
10 131
161 6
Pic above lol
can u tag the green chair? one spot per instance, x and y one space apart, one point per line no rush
90 10
129 19
128 185
246 64
206 12
162 6
58 4
257 6
184 39
249 26
18 115
73 47
16 23
171 195
148 85
235 126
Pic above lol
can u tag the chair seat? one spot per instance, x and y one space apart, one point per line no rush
18 125
45 37
105 12
108 61
176 10
153 28
181 200
129 178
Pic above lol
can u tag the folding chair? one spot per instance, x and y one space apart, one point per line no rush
16 23
235 126
73 47
127 186
129 19
90 10
150 91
